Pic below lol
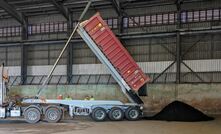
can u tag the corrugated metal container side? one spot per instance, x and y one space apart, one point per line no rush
115 52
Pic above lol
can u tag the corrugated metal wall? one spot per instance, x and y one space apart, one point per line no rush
11 56
206 46
45 55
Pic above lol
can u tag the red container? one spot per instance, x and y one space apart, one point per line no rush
109 44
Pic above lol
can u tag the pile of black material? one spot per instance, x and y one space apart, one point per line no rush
179 111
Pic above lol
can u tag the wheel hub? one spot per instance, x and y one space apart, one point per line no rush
100 114
133 114
52 115
32 115
117 114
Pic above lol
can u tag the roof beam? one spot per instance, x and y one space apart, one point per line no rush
11 11
63 10
116 5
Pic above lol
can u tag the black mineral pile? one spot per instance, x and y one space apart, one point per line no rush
179 111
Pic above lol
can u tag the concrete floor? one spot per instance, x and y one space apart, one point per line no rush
85 126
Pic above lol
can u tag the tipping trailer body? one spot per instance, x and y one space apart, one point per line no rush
123 68
109 50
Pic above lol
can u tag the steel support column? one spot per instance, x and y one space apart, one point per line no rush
178 58
70 50
24 53
69 63
23 64
178 42
120 24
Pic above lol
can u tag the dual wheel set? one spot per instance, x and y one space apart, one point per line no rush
53 114
116 114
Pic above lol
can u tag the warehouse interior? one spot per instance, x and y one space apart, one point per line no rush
175 43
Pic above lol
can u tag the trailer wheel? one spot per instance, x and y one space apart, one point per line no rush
99 114
53 114
132 114
116 114
32 115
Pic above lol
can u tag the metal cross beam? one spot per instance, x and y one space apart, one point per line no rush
116 5
63 10
11 11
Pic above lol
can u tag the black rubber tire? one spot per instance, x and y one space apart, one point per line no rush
53 114
132 114
32 115
112 114
97 112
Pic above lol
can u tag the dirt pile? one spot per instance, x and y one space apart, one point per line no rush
179 111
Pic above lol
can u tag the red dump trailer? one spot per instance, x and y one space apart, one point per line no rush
122 67
112 48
